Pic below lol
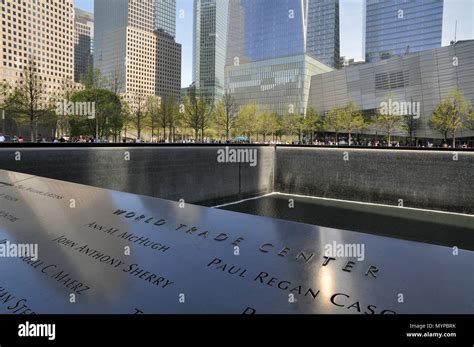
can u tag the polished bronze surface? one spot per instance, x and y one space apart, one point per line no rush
103 251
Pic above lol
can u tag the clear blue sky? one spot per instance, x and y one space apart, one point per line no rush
350 27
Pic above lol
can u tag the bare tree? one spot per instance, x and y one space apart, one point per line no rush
196 107
29 97
138 101
225 114
153 110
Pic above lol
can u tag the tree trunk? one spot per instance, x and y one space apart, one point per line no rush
32 130
350 138
138 127
454 139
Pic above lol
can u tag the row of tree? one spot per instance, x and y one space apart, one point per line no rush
166 117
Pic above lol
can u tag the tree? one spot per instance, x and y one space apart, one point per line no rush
138 111
410 123
469 121
351 119
29 98
266 123
207 109
166 114
247 118
153 105
312 122
93 78
293 124
449 116
67 89
333 121
196 107
225 114
108 107
386 120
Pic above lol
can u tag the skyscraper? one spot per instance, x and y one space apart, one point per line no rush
40 33
83 40
165 16
125 42
323 31
269 58
209 49
125 45
168 66
397 27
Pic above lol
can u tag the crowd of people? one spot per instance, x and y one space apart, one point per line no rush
327 141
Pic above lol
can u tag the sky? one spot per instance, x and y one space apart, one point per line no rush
350 18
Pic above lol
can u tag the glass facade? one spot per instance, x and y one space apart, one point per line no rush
210 40
395 27
165 16
271 51
323 31
280 85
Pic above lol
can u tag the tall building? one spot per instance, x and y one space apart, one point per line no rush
39 32
420 80
398 27
83 41
323 31
168 66
209 49
125 45
165 17
269 58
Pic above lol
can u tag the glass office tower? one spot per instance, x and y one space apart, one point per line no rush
165 16
268 61
209 49
323 31
397 27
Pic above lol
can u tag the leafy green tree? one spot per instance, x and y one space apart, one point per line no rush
108 118
387 121
351 119
450 115
247 118
312 122
266 123
333 121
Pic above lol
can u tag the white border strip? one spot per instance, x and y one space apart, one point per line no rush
373 204
238 202
346 201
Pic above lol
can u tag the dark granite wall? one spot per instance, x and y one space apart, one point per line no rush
191 173
423 179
